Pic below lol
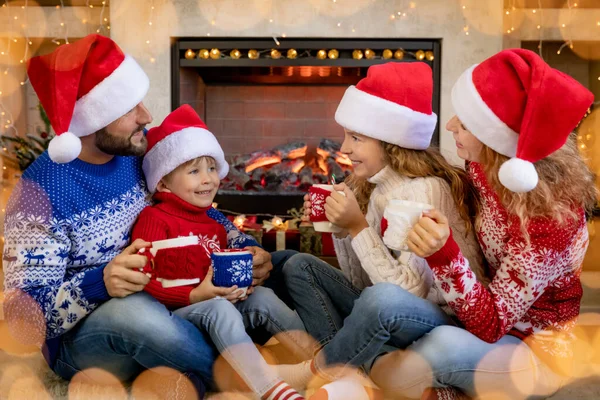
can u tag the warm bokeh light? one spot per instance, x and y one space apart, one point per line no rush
94 382
162 383
25 322
20 381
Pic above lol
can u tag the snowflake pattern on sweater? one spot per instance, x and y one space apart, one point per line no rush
64 223
535 292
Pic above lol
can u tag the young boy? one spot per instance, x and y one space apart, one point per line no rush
183 166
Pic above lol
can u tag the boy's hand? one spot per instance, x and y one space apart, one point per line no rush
262 265
206 291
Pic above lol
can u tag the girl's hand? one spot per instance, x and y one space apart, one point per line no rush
343 210
307 205
430 234
206 290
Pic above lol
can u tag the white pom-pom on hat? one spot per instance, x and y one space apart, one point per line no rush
64 148
518 175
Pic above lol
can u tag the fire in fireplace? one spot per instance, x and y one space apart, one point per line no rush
288 168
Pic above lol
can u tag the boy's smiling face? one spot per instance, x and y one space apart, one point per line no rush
195 182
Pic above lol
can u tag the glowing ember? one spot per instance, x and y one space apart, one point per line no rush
262 162
342 159
298 166
322 165
297 153
322 153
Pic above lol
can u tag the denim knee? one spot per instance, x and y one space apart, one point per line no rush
298 266
137 315
446 345
213 312
383 300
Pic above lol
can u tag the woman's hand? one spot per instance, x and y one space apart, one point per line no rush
344 211
206 290
429 235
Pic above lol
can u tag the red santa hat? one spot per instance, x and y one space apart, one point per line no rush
83 87
392 104
520 107
180 138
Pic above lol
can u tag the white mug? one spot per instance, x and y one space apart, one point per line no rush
401 216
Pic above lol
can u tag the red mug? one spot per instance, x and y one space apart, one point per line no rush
318 194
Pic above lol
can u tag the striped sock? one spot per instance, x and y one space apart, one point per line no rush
282 391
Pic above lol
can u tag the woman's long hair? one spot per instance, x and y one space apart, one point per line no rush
421 164
565 185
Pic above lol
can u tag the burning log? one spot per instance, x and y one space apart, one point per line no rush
322 164
297 166
342 159
280 172
260 159
291 150
328 146
258 174
306 176
240 160
237 177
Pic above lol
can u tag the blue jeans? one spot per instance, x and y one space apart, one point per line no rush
450 356
226 324
126 336
424 348
355 327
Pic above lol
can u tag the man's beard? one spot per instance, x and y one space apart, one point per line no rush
119 146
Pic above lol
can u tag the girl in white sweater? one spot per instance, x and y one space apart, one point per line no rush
388 124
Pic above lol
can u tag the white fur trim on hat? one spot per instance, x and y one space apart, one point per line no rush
518 175
387 121
109 100
479 119
64 148
180 147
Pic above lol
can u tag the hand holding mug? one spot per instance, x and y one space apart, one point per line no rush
430 234
342 209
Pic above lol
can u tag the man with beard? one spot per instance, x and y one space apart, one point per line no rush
72 279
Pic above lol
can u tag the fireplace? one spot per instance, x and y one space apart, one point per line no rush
271 103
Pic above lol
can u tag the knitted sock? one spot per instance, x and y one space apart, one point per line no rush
346 388
297 375
282 391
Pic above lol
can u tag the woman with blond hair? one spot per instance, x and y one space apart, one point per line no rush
388 122
514 120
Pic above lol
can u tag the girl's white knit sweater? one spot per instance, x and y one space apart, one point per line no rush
365 260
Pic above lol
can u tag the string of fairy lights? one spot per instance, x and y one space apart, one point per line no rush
292 54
